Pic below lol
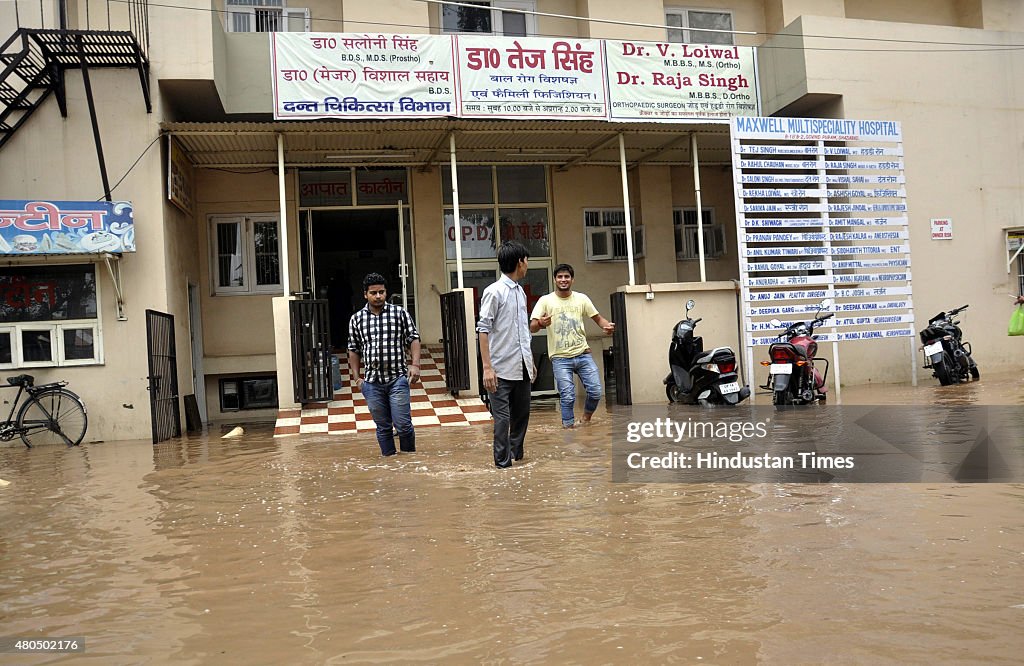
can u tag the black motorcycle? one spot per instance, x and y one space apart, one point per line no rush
697 376
945 351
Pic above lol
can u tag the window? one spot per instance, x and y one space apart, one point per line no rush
1020 274
489 19
497 204
265 16
246 255
685 26
49 316
685 222
605 230
1015 252
242 393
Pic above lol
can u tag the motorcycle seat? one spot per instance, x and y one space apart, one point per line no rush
800 351
707 356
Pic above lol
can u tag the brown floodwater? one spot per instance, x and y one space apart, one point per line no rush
314 550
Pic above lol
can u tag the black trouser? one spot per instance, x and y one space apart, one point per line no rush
510 407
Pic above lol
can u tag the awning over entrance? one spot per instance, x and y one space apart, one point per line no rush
424 143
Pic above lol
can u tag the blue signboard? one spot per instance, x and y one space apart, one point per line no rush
65 227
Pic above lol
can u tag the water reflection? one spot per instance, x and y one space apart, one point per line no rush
315 550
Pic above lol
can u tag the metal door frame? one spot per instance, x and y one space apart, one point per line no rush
163 376
311 350
407 255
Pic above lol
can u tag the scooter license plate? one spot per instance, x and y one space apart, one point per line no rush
933 348
781 369
729 387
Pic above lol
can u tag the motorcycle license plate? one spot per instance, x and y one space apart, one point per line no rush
729 387
933 348
781 369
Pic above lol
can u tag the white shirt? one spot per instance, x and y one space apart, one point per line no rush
504 319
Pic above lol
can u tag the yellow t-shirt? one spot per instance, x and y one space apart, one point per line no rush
567 336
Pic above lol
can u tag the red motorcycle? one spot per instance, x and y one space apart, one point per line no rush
792 377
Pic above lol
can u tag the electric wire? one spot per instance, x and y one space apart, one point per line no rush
137 160
953 47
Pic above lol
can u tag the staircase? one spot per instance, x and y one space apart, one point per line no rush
34 62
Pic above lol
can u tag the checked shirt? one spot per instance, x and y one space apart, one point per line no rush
380 341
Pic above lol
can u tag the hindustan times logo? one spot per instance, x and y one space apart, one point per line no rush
663 429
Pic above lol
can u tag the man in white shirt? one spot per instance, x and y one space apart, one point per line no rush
508 368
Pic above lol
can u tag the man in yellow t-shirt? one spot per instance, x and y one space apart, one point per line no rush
563 312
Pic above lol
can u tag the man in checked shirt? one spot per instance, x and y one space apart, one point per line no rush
377 337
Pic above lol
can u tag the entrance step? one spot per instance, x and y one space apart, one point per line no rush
431 405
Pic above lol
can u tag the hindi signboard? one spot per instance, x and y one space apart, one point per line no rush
65 227
331 75
530 77
180 183
355 75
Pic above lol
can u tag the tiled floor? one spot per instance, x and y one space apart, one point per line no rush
431 405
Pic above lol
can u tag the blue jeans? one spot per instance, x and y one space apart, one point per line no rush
389 407
584 366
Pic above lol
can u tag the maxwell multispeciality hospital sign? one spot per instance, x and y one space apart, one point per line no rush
346 75
65 227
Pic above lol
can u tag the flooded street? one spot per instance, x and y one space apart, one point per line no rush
314 550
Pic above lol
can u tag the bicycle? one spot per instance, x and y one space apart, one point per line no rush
52 414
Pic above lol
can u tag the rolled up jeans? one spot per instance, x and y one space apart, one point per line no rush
586 368
389 407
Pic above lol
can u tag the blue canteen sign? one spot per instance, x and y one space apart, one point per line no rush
65 227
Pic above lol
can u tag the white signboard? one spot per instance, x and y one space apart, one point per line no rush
654 81
820 221
942 228
530 77
378 76
818 129
346 75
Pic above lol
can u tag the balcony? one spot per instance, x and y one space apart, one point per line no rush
42 48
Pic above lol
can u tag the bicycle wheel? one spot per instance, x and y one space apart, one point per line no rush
54 416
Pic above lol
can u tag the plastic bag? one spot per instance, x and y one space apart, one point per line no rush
1017 321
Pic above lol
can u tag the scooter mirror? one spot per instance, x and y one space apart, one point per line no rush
775 323
689 305
826 304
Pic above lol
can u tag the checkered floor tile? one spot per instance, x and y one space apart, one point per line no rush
431 404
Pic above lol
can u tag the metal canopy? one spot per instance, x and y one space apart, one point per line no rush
424 143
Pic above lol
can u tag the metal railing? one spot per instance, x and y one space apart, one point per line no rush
620 350
456 345
89 15
311 351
